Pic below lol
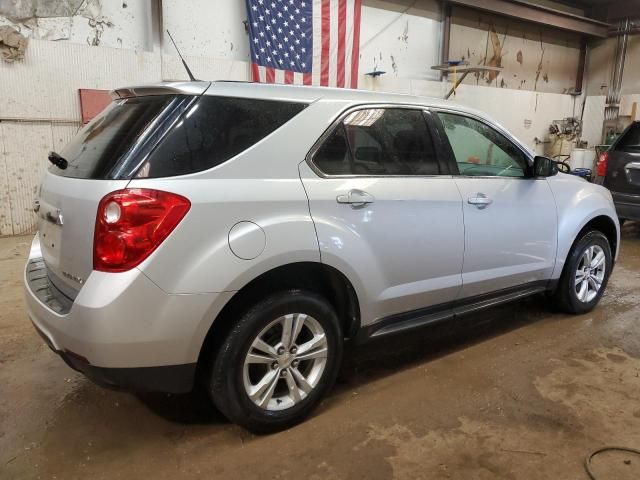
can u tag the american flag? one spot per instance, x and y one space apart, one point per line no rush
305 42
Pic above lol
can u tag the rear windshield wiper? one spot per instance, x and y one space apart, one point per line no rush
57 160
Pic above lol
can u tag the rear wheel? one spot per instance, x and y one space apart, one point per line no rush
585 274
278 361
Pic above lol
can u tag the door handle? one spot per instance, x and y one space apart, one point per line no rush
355 198
480 200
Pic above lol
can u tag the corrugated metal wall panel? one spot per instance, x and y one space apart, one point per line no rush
46 83
26 148
6 226
45 86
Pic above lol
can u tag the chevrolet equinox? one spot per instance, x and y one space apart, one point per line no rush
236 234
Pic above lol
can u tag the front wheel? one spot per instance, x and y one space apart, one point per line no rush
585 274
278 361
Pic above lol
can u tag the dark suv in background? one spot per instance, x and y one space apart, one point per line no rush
619 170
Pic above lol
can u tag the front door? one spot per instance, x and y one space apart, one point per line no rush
384 214
510 220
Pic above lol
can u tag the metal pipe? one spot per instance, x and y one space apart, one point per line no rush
66 121
612 108
446 34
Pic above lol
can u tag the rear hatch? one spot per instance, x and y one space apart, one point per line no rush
101 158
623 169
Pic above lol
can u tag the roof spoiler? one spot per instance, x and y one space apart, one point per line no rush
167 88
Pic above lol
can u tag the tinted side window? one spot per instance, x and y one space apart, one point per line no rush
333 156
393 141
214 130
480 150
631 139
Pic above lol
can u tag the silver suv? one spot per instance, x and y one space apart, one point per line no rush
234 235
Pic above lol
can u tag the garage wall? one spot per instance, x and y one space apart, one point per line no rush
532 57
104 45
599 63
112 23
401 38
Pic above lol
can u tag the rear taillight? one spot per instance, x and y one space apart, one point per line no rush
601 164
131 223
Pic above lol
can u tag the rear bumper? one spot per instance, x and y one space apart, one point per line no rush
167 378
122 330
627 206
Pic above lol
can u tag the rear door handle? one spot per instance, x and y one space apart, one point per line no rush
355 198
480 200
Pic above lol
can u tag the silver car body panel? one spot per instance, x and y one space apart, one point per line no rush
67 244
504 246
401 252
578 202
404 251
125 320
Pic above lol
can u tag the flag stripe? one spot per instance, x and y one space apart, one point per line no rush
324 68
288 77
279 76
270 75
307 79
342 33
317 43
333 43
356 43
255 75
348 44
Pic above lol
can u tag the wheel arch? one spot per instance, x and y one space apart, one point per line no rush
606 225
313 276
601 222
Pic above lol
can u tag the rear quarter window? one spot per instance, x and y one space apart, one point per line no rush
214 130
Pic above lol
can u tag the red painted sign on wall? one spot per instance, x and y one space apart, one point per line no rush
92 102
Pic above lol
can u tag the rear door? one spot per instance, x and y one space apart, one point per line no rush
510 220
385 212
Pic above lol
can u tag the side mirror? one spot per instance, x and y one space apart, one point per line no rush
544 167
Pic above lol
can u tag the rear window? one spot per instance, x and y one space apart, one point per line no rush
169 135
214 130
631 138
97 148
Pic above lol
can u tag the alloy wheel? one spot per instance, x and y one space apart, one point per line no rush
590 273
285 361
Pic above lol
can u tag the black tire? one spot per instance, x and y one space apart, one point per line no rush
566 297
225 380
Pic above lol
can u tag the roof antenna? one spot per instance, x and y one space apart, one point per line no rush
186 67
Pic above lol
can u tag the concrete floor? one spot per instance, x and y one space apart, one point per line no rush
516 392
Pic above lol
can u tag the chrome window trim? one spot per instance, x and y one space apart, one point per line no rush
345 113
